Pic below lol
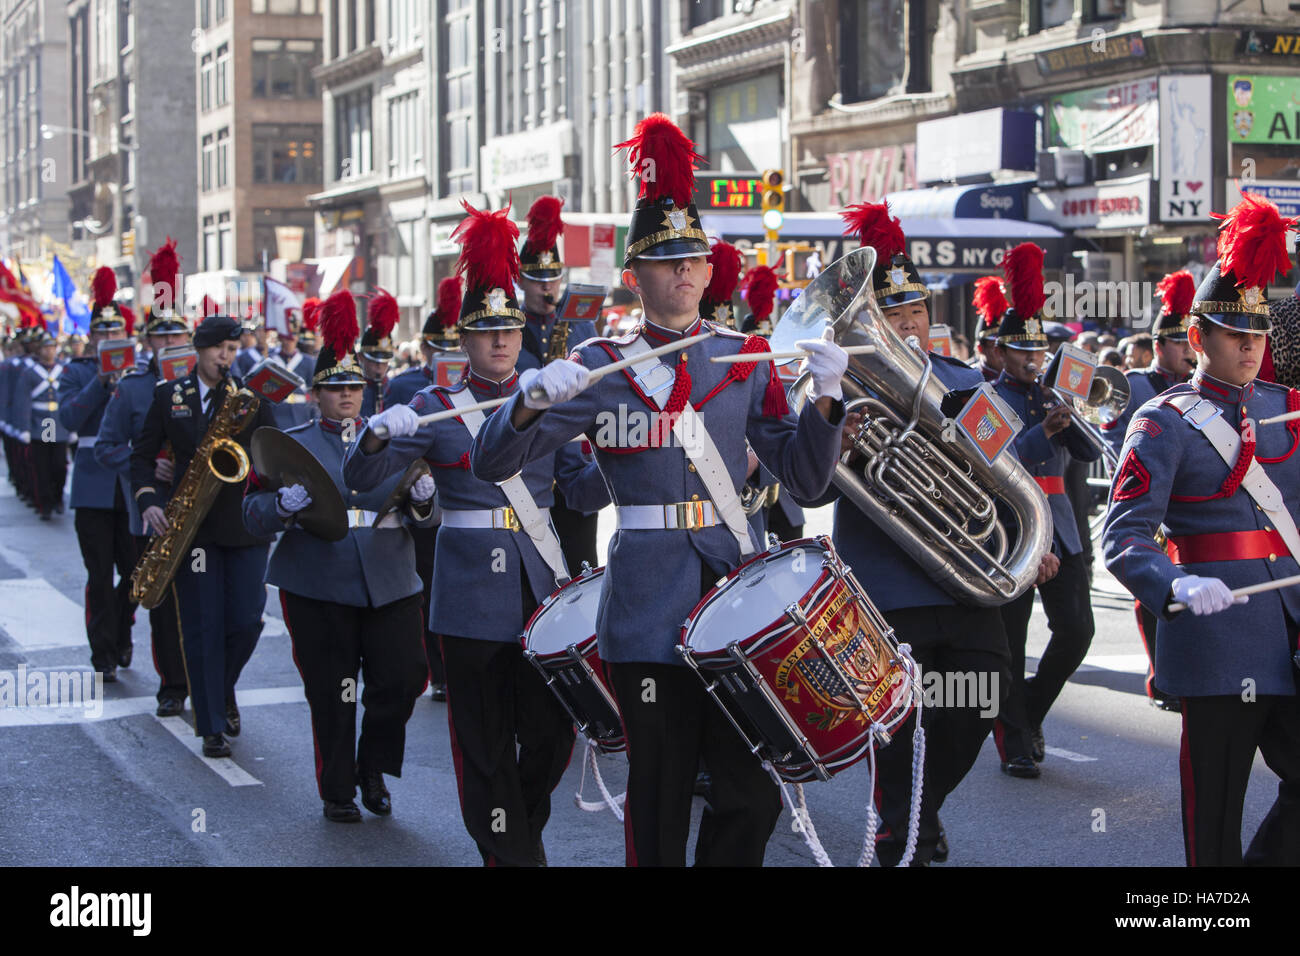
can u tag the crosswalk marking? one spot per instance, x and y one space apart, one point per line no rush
1069 755
223 767
117 708
1123 663
38 617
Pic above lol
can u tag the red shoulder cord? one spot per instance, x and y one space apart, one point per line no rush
463 461
1293 426
774 403
1245 455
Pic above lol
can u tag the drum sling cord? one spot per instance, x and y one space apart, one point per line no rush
614 804
803 821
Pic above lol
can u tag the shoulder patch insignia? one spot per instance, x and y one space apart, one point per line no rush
1146 425
1132 480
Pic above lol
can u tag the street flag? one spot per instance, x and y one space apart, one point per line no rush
278 301
77 312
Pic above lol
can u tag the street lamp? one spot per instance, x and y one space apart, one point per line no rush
48 130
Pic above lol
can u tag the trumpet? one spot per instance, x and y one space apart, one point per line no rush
1107 399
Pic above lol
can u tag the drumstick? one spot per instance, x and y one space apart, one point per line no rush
782 356
1280 418
595 376
1251 589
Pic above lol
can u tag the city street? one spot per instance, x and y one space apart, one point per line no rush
129 789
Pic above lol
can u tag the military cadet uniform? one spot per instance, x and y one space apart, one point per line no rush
1144 385
350 605
297 408
248 356
377 345
657 569
36 414
98 500
1233 670
1065 597
16 453
221 605
489 577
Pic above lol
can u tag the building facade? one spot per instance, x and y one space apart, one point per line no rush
257 140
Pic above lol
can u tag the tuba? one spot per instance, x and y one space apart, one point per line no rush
218 460
924 482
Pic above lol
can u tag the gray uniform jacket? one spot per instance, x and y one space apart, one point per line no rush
122 422
82 400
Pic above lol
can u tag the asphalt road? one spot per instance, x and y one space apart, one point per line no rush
126 789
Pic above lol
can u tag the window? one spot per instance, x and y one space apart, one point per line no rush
872 63
205 13
286 154
353 133
1094 10
403 24
282 69
1044 14
211 250
702 11
405 135
207 160
226 242
286 7
223 74
221 11
265 239
223 157
460 96
205 82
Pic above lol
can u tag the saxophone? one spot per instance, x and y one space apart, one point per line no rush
218 460
557 347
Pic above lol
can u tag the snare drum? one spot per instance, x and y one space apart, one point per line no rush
560 640
800 660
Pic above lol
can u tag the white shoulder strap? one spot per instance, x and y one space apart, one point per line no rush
1207 418
656 380
535 521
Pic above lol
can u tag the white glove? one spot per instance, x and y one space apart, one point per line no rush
423 489
827 363
400 421
291 499
559 382
25 437
1204 595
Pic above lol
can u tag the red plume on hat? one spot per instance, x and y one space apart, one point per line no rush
1177 292
164 265
448 309
1023 267
338 323
103 286
382 313
488 257
664 159
1252 241
760 290
990 301
727 261
875 227
311 314
128 315
544 224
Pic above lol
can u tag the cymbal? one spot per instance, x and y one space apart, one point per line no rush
397 497
279 461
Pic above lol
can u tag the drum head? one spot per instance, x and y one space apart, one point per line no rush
756 597
569 616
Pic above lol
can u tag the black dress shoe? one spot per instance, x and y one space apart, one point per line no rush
1037 745
438 692
110 675
342 812
374 795
940 854
124 656
1021 767
1171 704
232 719
214 745
170 707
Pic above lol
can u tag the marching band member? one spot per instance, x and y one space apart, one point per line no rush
1174 363
541 270
1047 443
348 605
680 518
377 349
490 533
252 342
297 408
119 429
1194 461
308 343
98 501
219 601
946 635
439 335
761 283
986 341
18 453
36 415
727 264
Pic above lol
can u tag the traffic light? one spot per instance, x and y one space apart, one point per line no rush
773 202
128 243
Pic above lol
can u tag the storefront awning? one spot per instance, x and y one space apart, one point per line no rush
980 201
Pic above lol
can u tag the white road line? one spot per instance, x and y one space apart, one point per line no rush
38 617
223 767
115 709
1124 663
1069 755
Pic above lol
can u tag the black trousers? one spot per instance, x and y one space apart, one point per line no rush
967 647
221 619
577 534
1069 616
779 525
331 643
510 741
104 535
426 540
1220 737
165 636
20 467
671 723
49 467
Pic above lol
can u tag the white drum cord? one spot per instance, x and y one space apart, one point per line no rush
607 802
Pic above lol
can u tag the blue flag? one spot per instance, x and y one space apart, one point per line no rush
78 313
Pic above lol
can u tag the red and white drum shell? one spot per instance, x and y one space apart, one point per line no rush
560 640
777 639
